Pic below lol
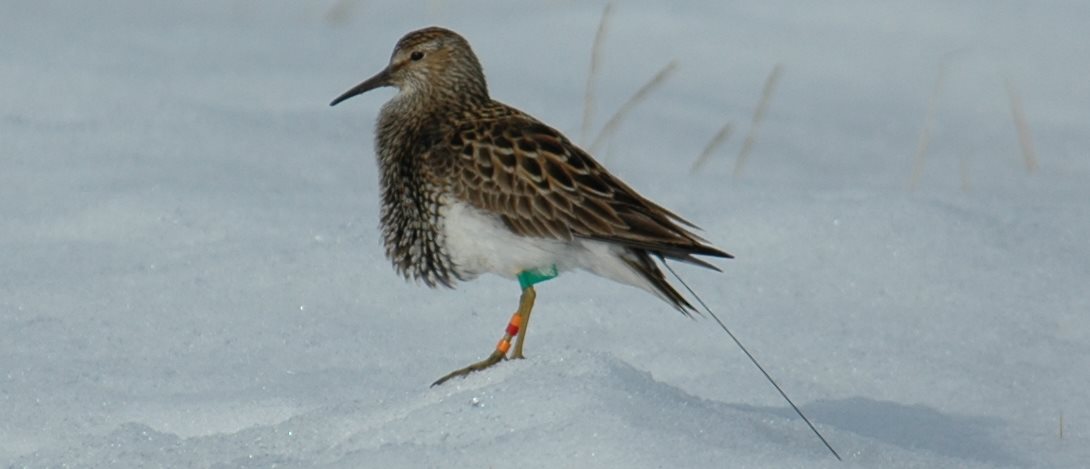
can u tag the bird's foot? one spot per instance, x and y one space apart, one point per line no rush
496 357
515 329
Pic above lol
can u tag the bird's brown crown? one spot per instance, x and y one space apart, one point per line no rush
439 62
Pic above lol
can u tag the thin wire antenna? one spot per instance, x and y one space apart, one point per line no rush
751 358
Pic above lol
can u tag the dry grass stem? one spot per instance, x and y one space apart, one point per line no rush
628 106
714 143
1061 425
963 171
595 61
341 11
758 117
929 122
1025 138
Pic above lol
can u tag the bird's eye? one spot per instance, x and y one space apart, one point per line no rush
416 56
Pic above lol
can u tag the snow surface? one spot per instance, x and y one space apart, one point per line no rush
192 275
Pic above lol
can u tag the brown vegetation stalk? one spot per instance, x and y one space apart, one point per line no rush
639 96
595 61
714 143
758 117
1025 138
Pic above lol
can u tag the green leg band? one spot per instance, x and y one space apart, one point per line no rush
529 278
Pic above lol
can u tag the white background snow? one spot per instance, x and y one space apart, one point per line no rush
191 273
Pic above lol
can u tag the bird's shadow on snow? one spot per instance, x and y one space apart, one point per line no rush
913 427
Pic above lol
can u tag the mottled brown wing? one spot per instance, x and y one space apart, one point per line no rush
542 185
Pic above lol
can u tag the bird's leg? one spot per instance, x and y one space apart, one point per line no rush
516 328
526 305
527 280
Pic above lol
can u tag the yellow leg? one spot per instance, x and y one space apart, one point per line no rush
519 321
526 305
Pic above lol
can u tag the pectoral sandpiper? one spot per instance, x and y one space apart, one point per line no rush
472 186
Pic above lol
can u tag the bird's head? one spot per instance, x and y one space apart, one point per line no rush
431 61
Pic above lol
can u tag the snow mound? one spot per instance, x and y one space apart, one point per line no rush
576 409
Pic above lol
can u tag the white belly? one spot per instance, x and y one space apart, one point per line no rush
480 243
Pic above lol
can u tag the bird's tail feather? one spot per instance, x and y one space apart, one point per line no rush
641 262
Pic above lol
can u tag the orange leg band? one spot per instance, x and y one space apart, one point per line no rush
513 326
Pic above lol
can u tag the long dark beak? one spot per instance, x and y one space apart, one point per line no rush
379 80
